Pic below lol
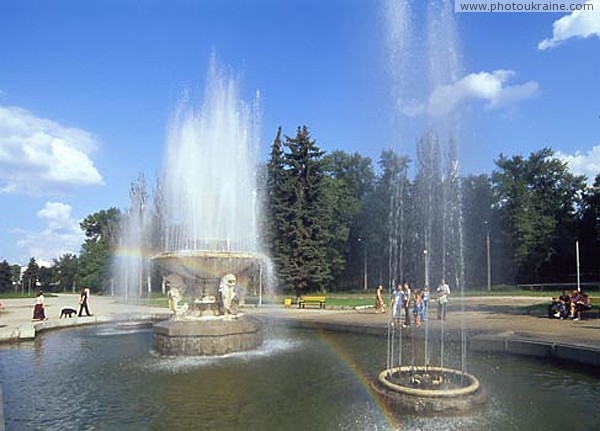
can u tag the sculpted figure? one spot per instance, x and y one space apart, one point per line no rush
227 293
174 296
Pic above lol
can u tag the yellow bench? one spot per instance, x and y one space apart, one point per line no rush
312 300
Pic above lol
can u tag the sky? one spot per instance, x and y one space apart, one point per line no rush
87 90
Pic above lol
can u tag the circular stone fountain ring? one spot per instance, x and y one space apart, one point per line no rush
207 337
404 388
207 262
201 270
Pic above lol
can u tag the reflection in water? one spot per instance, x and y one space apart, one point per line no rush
107 378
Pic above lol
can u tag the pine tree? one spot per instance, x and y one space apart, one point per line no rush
299 213
276 220
5 277
31 275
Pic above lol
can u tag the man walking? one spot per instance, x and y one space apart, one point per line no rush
444 291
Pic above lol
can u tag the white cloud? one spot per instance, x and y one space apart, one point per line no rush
61 234
490 87
587 164
41 157
580 23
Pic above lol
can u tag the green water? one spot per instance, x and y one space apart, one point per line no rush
106 378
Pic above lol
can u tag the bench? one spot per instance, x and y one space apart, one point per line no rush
311 300
591 313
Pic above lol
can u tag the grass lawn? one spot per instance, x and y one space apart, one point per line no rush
349 299
18 295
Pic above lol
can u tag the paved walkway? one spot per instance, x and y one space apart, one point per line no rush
16 322
482 316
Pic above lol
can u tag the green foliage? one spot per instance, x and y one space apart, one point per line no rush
47 278
387 219
66 272
349 178
477 212
329 217
536 199
31 275
589 230
5 277
101 231
302 217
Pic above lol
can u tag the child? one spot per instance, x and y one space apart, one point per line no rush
379 305
417 309
425 301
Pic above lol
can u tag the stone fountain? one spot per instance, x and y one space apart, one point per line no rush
424 65
207 207
429 389
212 323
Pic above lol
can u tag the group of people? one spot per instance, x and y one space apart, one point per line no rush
569 307
403 298
39 310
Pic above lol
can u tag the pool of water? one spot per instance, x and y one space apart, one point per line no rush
107 378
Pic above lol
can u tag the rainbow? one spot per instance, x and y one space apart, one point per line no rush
342 352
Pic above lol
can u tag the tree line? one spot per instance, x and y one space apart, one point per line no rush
338 221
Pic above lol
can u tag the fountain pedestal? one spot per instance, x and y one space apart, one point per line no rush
207 336
455 392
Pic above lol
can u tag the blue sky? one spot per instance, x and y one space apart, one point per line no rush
87 90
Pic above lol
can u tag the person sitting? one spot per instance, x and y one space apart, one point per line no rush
579 302
560 306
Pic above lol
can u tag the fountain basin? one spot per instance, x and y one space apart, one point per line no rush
207 263
459 392
206 336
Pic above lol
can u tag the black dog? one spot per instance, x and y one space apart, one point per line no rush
67 312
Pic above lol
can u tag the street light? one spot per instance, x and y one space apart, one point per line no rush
577 264
426 253
487 245
364 262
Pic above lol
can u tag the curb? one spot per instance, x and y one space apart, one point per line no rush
505 343
29 331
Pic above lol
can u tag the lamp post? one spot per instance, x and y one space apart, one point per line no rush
426 254
364 243
487 246
577 263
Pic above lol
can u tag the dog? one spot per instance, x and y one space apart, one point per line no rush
67 312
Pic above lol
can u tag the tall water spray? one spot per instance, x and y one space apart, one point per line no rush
210 174
424 62
206 198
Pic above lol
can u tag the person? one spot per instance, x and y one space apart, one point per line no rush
397 300
417 308
379 304
560 306
406 304
579 302
425 301
83 302
444 291
39 312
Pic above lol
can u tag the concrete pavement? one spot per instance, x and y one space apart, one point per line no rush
16 322
497 324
